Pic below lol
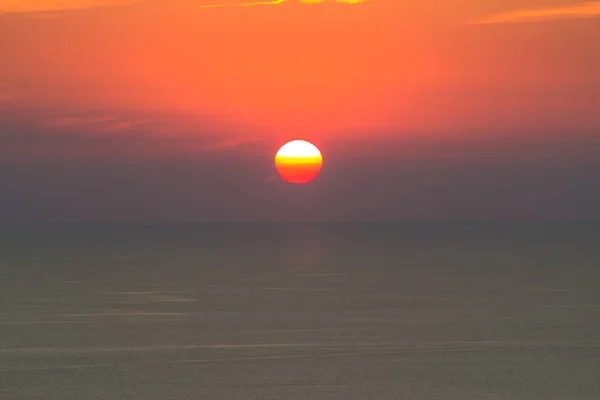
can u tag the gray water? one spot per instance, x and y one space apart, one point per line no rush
300 311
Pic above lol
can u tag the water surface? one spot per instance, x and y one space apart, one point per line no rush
300 311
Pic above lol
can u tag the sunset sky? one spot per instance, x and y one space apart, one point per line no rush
172 110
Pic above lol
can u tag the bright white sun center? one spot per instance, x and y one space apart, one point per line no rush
299 148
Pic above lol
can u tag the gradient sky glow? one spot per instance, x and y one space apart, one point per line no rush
173 110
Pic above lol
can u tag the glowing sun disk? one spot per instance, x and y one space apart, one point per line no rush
298 161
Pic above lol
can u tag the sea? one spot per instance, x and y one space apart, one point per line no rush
366 311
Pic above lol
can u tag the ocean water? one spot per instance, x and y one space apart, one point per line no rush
300 311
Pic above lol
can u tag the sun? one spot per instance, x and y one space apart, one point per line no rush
298 161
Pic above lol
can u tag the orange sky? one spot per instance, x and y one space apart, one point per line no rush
423 109
380 68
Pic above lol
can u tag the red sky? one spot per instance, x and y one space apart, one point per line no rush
135 79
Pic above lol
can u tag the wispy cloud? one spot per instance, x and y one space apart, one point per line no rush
50 6
32 133
94 124
274 2
232 142
29 6
581 10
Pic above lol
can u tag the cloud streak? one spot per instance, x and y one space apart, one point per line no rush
582 10
275 2
33 6
39 134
